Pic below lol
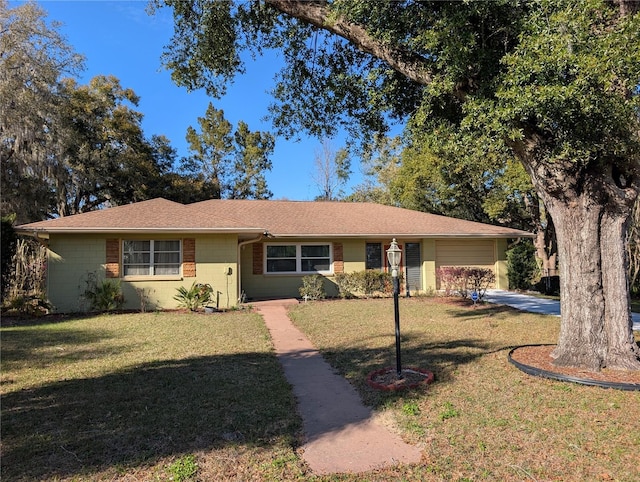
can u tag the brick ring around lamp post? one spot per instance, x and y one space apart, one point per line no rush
386 379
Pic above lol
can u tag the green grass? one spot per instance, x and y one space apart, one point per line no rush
138 395
168 396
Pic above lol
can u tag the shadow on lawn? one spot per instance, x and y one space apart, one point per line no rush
135 416
441 357
46 346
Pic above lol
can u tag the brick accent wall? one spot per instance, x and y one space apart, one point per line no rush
189 258
258 253
338 258
112 266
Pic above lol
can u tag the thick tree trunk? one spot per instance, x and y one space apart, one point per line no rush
596 328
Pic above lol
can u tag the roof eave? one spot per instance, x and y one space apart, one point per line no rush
38 232
406 235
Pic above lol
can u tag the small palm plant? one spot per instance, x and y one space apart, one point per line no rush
103 295
195 297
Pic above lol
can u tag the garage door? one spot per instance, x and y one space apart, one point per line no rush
477 253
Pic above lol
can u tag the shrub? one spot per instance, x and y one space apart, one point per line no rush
451 279
103 295
479 280
463 280
312 288
195 297
521 265
29 305
364 283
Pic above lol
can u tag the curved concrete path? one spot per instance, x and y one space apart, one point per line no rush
534 304
341 434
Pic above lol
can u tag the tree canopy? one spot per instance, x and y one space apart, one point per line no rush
232 163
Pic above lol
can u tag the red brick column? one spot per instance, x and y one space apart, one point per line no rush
338 258
189 258
112 266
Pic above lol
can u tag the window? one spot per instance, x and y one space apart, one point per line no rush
151 258
374 256
298 258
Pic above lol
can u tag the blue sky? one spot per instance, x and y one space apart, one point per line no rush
119 38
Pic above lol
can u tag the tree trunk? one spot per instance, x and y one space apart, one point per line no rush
596 328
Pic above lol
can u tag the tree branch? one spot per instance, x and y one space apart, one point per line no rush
317 13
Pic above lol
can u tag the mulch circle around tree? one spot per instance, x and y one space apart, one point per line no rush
386 379
536 360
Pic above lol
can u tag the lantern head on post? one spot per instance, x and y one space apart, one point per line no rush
394 254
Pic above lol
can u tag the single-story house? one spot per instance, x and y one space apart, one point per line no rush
254 249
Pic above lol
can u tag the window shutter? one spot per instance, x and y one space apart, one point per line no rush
338 258
258 254
189 258
112 265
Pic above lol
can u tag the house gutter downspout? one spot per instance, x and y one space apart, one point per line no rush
241 244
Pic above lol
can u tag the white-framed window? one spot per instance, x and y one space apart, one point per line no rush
151 257
293 258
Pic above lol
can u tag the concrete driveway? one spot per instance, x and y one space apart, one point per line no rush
534 304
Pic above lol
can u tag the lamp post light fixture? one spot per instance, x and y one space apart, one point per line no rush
394 254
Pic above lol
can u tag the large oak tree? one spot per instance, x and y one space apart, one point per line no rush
553 84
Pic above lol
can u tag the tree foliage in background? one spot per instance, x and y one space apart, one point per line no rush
521 265
67 148
380 162
8 239
552 84
332 171
33 57
232 164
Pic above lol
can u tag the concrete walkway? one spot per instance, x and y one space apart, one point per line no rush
342 435
534 304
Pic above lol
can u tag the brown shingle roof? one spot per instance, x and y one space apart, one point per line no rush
153 215
279 218
295 218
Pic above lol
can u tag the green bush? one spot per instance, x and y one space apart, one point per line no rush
521 265
103 295
195 297
313 287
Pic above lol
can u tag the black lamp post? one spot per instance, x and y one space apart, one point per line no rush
394 254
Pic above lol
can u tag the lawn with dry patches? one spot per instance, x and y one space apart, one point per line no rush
482 419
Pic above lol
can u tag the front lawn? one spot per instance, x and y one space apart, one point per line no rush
175 396
482 419
146 397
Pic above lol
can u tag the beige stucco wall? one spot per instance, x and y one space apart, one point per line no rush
502 278
428 264
72 257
